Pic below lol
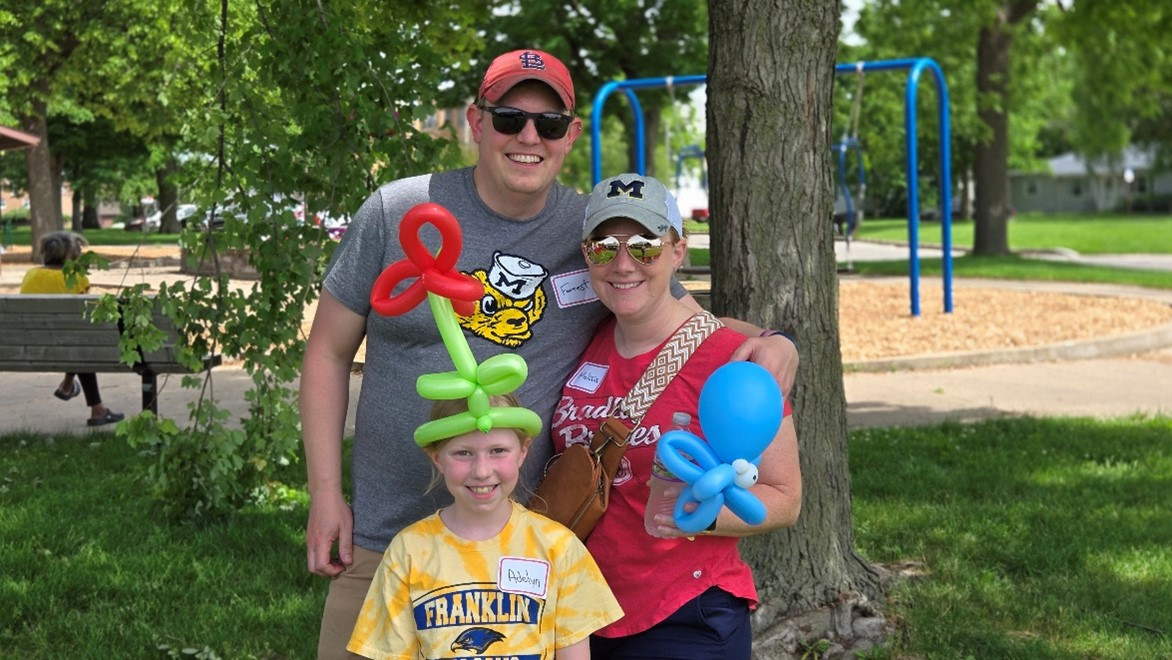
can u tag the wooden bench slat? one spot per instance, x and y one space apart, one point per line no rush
53 333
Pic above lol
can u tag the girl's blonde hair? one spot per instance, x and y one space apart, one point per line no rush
441 409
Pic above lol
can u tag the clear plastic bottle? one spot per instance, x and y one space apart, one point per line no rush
662 480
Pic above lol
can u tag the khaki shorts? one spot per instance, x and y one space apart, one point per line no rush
344 602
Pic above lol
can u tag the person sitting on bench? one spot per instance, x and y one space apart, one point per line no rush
56 248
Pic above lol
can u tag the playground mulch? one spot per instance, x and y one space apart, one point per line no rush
875 320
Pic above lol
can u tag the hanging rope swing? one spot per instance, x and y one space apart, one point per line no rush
852 217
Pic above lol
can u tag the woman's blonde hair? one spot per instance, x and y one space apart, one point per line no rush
57 247
441 409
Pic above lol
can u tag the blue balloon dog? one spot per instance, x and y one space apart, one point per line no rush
741 410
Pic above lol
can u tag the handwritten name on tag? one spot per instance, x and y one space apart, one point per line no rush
517 575
588 377
573 288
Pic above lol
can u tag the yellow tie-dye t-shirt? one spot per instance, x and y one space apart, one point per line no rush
530 590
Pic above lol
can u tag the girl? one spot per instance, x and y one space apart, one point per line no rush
483 576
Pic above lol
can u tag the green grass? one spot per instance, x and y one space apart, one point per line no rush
1086 234
89 569
1039 538
23 235
1018 268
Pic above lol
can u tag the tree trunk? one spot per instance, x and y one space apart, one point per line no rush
994 44
168 195
771 65
90 217
652 139
57 169
77 222
40 179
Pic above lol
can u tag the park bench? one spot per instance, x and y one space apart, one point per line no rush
54 333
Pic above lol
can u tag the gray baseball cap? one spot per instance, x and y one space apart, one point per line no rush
640 198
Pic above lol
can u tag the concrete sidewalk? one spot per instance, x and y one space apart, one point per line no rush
1099 387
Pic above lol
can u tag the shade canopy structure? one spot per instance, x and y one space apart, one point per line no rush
10 138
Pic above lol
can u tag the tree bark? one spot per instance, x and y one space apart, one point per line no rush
77 223
40 179
91 218
994 45
168 196
57 171
771 74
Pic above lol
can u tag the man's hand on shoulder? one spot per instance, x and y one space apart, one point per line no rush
775 352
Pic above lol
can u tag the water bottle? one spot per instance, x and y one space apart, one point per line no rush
660 501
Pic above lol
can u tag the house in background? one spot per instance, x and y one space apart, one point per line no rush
1071 187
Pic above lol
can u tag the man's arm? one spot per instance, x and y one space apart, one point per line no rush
776 353
334 339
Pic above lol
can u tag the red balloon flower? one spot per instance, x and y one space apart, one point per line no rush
436 274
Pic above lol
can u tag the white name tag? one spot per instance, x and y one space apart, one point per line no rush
573 288
516 575
588 377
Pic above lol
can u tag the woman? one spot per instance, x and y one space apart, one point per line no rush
57 248
683 598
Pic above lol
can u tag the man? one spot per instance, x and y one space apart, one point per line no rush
538 302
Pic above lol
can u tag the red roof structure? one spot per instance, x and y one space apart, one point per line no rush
10 138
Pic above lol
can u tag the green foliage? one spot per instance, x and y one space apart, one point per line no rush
309 104
1121 74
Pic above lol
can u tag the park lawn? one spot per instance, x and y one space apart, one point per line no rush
22 234
1083 233
1002 268
1019 268
1037 538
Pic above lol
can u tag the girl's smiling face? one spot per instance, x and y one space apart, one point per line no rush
481 470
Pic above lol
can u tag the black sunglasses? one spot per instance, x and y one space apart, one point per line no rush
510 121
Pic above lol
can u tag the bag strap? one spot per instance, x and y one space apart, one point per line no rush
609 444
667 364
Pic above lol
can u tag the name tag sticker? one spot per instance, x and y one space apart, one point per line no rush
573 288
588 377
517 575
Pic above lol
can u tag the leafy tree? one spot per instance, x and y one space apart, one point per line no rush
61 53
949 32
1122 80
306 108
769 152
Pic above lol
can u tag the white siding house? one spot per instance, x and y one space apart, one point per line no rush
1070 186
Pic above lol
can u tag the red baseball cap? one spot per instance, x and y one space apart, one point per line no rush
511 68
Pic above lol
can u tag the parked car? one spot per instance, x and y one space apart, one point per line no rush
182 213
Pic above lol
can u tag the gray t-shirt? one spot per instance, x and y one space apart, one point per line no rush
538 303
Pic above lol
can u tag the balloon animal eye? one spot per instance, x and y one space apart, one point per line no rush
746 473
488 305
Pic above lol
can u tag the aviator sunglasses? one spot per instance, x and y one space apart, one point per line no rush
602 250
510 121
